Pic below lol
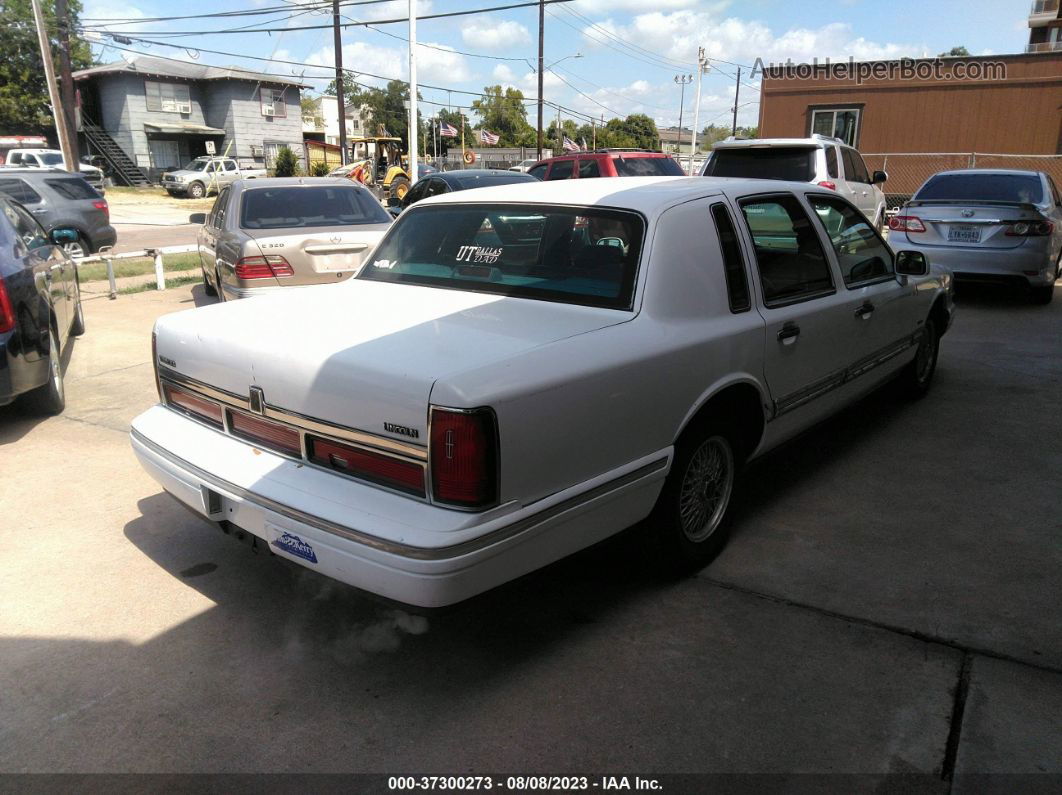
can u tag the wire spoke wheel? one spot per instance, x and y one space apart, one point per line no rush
706 487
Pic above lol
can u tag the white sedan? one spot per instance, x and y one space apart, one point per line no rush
522 371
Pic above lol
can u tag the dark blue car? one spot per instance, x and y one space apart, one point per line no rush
40 309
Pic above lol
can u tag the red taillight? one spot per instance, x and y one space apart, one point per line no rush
7 314
263 267
827 184
193 404
906 223
1030 229
268 434
374 467
464 457
101 204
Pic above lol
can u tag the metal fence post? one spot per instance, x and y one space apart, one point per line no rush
160 276
105 252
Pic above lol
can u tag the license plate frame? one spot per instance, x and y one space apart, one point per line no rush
964 233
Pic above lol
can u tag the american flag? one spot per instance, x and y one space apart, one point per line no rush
570 145
447 130
487 137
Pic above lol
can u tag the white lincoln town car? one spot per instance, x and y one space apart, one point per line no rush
519 372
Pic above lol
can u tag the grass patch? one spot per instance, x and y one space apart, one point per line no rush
153 194
97 271
180 281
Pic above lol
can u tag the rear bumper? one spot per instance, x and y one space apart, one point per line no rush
103 236
1029 263
402 549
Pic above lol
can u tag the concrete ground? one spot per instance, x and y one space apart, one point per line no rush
888 603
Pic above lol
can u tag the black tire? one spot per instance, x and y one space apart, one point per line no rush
77 328
917 377
691 519
196 190
1043 295
208 288
399 187
51 397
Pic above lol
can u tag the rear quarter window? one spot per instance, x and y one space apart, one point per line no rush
1026 188
72 188
19 190
647 167
562 169
791 163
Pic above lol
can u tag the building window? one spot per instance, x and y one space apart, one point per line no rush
167 97
840 123
273 102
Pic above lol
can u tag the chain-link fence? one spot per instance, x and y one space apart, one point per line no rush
907 171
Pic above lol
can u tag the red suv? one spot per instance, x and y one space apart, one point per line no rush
607 163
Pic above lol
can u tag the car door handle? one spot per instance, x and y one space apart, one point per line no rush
788 333
865 311
39 211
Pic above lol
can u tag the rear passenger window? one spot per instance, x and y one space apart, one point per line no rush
19 191
562 169
737 285
219 209
789 256
854 169
831 161
72 188
539 172
588 168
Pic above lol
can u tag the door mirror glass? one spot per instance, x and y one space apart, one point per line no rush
62 234
197 218
879 178
912 263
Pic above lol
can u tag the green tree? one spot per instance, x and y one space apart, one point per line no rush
955 52
24 103
503 113
286 164
714 133
386 106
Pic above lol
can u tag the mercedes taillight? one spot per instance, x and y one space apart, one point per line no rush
269 267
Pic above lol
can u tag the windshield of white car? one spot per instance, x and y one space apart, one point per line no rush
50 158
196 165
316 205
586 256
1024 188
791 163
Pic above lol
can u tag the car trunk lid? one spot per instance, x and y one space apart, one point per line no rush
969 224
316 255
361 354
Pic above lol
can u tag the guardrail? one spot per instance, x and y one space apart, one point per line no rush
156 254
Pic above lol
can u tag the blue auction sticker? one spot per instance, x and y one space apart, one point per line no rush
293 545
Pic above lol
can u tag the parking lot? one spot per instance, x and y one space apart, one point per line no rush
888 603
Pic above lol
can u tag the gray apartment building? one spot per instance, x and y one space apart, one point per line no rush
147 115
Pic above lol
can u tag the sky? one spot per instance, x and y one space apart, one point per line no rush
629 56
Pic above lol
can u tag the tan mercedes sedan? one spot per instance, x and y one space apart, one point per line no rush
264 234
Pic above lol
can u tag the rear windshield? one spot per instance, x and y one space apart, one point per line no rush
72 188
647 167
483 182
984 187
585 256
288 208
791 163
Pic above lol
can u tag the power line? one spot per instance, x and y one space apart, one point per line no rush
659 64
673 63
580 93
397 20
610 91
252 13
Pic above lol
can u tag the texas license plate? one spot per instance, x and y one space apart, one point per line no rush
964 233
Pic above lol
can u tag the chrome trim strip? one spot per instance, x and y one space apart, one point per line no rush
301 421
839 378
390 547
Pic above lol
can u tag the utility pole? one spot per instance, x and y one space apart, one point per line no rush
541 42
702 68
682 80
53 89
560 138
66 80
413 119
340 101
737 93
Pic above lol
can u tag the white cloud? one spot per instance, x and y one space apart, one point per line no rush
503 73
488 35
613 6
436 63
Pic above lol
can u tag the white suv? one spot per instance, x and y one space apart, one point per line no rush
827 162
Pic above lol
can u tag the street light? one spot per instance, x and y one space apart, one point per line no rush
682 80
541 71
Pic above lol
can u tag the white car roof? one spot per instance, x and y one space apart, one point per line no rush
766 143
647 195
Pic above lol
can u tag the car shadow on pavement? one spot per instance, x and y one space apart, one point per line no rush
19 418
998 297
200 298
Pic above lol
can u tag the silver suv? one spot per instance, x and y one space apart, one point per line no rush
820 160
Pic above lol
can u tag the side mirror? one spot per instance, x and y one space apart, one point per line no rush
912 263
197 218
62 234
394 210
394 201
878 178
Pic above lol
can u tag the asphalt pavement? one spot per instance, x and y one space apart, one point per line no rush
888 604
